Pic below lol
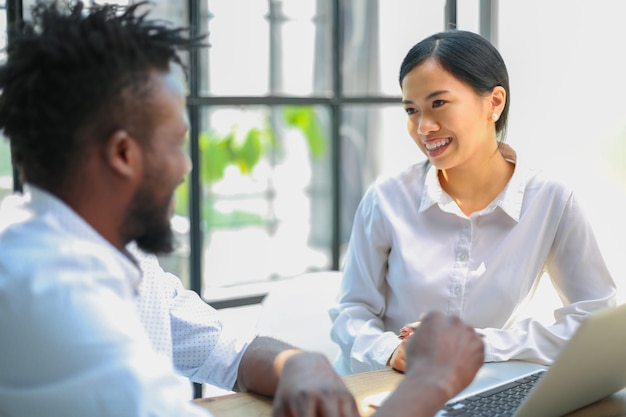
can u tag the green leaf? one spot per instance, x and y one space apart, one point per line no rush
181 197
215 155
305 119
249 152
215 219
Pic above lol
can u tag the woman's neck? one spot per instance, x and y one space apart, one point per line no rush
474 187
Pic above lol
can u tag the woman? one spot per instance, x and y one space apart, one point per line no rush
470 230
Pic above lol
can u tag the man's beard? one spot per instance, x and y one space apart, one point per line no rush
148 224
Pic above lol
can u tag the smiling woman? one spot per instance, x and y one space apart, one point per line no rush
470 231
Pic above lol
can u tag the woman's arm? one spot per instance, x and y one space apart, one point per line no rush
358 316
582 281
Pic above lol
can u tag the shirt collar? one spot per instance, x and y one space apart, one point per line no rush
433 193
509 200
43 203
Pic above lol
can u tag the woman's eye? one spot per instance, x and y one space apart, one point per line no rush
410 110
438 103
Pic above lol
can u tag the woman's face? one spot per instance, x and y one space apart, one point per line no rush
449 121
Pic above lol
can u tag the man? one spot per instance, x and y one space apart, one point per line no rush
97 125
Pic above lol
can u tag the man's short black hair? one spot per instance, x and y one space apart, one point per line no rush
77 73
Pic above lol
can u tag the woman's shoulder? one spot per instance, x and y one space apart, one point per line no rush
533 176
546 179
397 191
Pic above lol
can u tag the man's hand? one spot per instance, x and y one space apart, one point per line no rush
303 384
309 387
442 357
446 349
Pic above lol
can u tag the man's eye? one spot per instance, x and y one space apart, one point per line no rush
438 103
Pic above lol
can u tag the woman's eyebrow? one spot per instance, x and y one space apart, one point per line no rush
428 97
436 93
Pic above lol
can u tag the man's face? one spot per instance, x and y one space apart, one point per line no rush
165 165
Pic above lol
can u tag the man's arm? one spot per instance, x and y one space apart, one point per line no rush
443 356
302 383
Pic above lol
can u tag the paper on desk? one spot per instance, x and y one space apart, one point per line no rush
375 400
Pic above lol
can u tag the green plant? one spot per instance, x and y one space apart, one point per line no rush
244 150
305 119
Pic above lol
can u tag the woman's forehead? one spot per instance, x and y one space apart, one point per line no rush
429 78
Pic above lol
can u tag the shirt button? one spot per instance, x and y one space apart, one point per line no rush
463 257
457 289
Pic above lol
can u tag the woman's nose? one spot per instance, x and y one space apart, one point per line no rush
426 125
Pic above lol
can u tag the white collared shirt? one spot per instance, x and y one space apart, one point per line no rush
413 250
71 340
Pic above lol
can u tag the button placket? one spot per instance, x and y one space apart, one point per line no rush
461 268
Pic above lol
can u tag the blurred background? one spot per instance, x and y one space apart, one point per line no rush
295 109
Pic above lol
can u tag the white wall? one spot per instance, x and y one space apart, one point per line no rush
567 67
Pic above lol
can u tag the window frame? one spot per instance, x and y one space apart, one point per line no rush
335 102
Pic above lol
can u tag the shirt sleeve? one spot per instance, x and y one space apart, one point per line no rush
357 318
583 282
204 349
183 326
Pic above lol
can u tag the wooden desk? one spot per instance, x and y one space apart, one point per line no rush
367 383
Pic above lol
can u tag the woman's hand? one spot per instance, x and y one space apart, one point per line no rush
397 360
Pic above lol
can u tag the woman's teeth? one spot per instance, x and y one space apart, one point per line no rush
437 144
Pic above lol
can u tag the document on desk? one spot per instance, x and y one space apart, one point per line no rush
489 375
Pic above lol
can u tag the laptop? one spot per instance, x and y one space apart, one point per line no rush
590 367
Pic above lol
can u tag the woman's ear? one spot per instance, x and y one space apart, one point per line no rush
124 154
497 99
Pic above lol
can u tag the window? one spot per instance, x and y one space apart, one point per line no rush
295 109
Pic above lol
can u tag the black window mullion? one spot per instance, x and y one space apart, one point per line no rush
195 194
336 120
195 200
15 14
450 15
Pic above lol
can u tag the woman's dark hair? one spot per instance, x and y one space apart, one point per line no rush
75 74
470 58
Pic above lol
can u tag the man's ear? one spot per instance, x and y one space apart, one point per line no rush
124 154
